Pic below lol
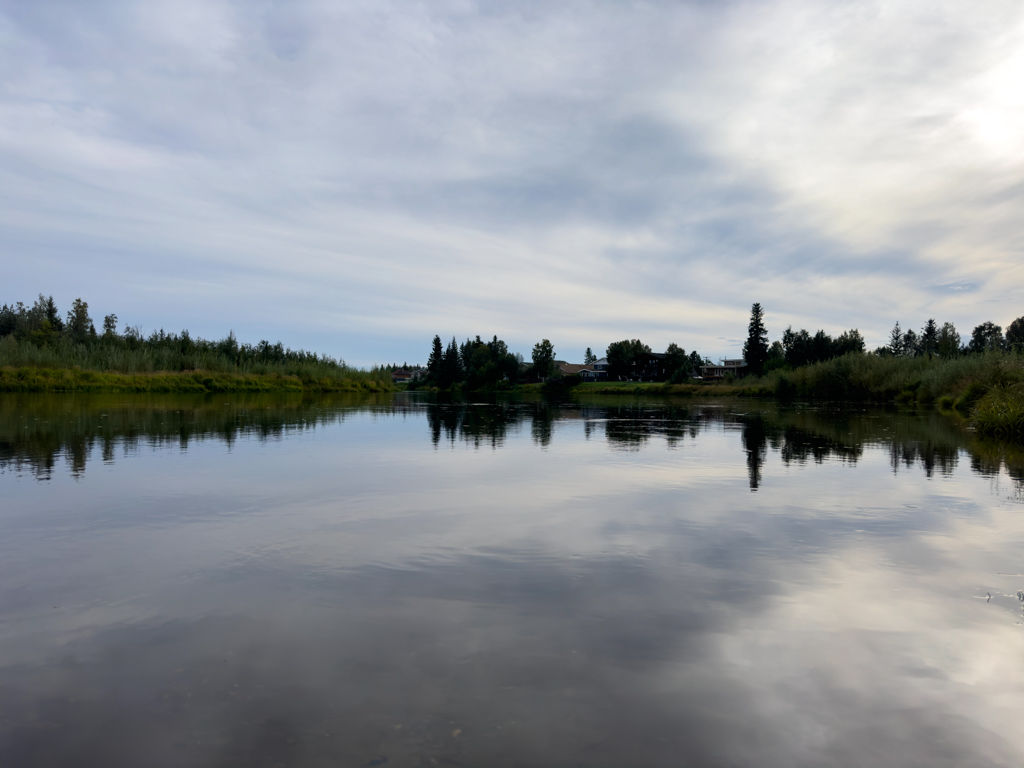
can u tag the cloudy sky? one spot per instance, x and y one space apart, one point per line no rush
354 177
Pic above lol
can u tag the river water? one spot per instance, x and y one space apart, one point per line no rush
391 581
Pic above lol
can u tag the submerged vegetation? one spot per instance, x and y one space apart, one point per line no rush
40 351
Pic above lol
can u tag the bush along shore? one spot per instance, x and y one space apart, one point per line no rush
41 352
77 380
986 388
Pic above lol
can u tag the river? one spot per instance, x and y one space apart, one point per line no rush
395 581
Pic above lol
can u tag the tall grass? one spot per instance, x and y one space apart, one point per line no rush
886 379
1000 412
988 388
118 357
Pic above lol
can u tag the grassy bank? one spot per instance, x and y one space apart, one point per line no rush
122 365
26 379
988 388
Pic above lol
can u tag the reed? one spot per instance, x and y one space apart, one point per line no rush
1000 412
144 367
988 388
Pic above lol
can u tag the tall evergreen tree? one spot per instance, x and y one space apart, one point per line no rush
53 315
755 348
434 361
929 340
451 366
896 340
911 344
589 357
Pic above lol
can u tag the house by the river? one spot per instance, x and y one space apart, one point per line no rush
724 367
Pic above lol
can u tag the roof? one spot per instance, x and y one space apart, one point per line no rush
572 368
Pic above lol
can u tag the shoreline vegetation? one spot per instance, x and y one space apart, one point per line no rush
982 381
42 352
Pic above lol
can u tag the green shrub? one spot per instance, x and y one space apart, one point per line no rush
974 392
1000 412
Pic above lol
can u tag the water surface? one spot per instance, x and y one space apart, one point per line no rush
389 581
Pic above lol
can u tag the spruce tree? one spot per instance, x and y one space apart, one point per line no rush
434 362
930 338
755 348
896 340
451 366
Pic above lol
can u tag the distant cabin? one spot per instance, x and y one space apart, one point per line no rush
725 366
401 376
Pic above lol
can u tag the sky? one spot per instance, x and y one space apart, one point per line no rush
354 177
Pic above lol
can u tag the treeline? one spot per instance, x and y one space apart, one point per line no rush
799 348
476 364
945 341
38 336
480 365
631 358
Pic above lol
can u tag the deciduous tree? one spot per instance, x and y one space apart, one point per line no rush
543 358
1015 335
985 337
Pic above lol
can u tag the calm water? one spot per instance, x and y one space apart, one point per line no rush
393 582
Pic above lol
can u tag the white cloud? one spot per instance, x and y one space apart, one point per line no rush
582 172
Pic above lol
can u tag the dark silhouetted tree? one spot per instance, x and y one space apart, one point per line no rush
949 341
79 322
986 337
543 358
847 342
53 315
696 361
589 357
930 338
622 356
1015 335
451 366
776 356
677 364
911 344
435 361
755 348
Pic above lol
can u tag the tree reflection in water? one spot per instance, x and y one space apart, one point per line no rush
38 431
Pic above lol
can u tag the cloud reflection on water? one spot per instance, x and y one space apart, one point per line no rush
342 587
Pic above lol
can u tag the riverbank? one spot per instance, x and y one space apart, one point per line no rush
988 389
29 379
